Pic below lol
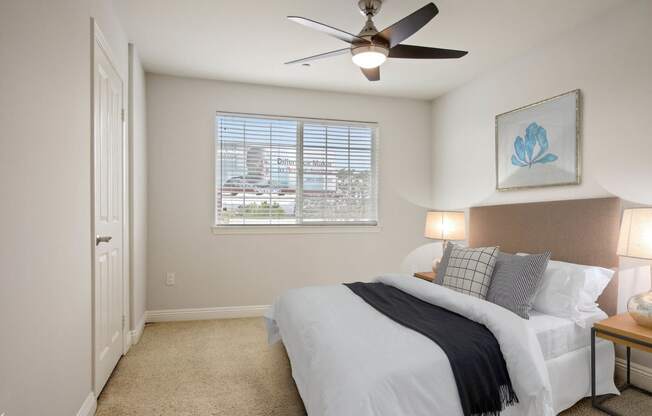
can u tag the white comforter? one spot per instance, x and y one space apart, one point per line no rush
350 360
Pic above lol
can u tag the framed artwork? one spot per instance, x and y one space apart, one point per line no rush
539 145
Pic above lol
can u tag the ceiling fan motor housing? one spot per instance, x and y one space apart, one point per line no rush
369 7
368 30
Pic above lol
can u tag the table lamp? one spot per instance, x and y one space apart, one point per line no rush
636 241
444 226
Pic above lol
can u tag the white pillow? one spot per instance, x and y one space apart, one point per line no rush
569 289
559 293
596 280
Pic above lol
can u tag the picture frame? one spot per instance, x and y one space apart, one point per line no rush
539 145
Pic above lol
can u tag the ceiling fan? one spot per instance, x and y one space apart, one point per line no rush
370 48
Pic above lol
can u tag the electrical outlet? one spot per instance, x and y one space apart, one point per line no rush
170 279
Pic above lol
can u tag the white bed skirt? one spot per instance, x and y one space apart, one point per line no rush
570 374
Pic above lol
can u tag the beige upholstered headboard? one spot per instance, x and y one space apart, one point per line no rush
583 231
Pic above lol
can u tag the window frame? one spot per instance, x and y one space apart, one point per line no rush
301 228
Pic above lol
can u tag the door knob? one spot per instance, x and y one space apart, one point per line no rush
102 239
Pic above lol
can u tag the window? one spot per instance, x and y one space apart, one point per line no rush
292 171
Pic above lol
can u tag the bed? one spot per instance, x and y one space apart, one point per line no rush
349 359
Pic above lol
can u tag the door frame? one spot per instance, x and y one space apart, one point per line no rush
98 40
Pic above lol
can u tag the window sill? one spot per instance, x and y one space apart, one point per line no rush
294 229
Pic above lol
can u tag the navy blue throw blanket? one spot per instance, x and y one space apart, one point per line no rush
479 368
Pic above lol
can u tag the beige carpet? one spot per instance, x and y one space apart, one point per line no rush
219 368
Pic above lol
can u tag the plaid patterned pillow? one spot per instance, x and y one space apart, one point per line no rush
469 270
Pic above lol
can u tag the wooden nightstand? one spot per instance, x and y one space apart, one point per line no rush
620 329
429 276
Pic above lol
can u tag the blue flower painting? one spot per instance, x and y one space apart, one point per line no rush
533 148
539 144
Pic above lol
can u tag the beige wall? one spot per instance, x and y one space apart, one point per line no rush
235 270
610 60
138 196
45 260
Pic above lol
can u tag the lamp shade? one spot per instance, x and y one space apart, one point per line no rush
445 225
636 233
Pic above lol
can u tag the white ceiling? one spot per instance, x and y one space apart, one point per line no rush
248 41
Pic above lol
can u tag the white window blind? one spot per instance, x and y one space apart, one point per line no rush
284 171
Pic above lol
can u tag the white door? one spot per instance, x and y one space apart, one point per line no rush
108 212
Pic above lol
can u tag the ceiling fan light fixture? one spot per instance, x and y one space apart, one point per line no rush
369 56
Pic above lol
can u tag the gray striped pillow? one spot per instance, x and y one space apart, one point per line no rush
516 280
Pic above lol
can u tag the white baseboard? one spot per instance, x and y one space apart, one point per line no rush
225 312
138 331
128 342
640 375
89 406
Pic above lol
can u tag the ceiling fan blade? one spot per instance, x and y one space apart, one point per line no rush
329 30
407 26
423 52
372 74
320 56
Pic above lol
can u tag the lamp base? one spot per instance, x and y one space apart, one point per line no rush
435 264
640 308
